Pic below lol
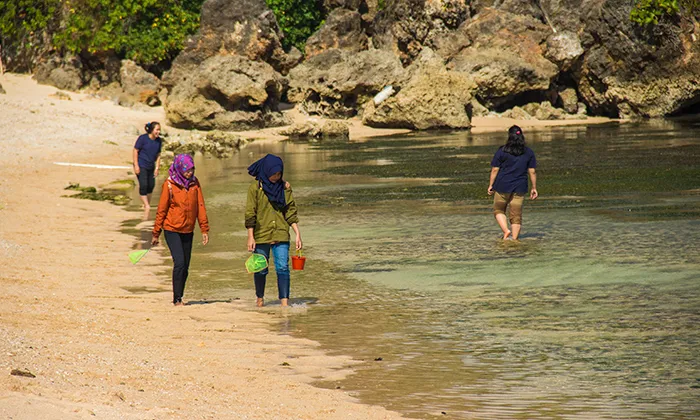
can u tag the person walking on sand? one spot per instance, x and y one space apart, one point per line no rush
510 168
147 160
181 203
270 212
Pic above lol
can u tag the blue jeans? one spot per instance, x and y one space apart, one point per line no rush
280 253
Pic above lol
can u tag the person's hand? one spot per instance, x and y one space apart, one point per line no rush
287 185
154 240
298 243
490 190
155 172
251 244
205 238
533 194
137 169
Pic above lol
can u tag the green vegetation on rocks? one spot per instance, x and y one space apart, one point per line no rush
146 31
114 193
647 12
298 20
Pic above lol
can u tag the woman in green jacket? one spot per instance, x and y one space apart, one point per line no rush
270 212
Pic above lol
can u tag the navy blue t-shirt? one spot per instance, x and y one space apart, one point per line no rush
148 151
512 175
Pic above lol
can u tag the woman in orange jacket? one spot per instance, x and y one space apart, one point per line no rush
181 203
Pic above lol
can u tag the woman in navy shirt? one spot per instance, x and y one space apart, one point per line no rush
147 160
510 168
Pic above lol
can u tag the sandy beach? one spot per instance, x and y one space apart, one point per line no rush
96 350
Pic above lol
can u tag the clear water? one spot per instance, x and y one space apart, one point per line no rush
593 314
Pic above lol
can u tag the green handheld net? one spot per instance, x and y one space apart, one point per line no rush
255 263
136 256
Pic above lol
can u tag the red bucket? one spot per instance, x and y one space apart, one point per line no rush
298 261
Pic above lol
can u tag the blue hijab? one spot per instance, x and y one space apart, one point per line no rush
262 170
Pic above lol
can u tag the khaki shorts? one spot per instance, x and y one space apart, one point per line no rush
501 201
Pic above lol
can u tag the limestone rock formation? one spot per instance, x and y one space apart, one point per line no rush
247 28
228 75
503 53
563 49
227 93
628 70
139 84
64 73
342 30
433 98
335 83
404 27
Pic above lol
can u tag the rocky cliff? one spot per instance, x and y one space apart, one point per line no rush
444 61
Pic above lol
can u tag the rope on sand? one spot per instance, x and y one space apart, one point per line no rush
92 165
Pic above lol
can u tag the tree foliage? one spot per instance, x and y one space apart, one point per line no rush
146 31
20 19
298 19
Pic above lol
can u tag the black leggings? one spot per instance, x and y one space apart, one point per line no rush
180 245
147 181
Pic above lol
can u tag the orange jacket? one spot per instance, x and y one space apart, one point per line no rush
178 209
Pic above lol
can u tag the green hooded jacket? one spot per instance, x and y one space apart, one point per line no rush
269 225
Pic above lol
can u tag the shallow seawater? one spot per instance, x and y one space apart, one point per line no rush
593 314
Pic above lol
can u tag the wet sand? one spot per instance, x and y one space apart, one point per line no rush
97 350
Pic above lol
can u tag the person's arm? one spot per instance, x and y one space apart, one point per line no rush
295 227
533 182
251 215
202 216
292 217
494 172
251 239
137 170
161 213
155 173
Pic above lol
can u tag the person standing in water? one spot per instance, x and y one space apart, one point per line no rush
181 204
510 168
270 212
147 160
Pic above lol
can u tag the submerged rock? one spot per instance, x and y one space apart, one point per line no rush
314 129
216 143
113 193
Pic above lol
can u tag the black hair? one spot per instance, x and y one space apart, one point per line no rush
150 126
516 141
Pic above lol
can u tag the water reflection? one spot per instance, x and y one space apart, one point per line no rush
593 314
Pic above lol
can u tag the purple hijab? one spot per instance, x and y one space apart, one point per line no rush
181 164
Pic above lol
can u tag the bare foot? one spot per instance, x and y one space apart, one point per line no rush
284 302
506 235
260 302
179 303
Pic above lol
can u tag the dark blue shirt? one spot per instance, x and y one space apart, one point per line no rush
512 175
148 151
